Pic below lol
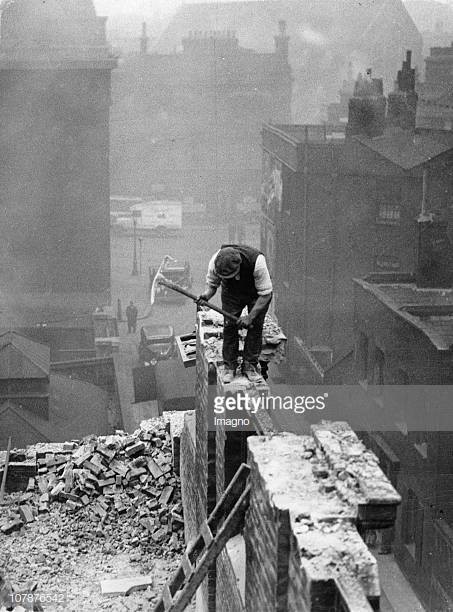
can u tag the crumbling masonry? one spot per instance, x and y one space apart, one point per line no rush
311 498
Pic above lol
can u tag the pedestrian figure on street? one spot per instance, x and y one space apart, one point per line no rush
242 273
131 316
119 311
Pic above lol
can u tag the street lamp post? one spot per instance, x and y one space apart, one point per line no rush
135 214
140 241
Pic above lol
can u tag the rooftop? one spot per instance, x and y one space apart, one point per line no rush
33 31
405 148
76 409
309 23
20 357
429 310
302 133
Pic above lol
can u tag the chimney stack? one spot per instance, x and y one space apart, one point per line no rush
282 41
402 103
144 40
367 108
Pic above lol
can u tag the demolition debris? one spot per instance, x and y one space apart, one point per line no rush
106 479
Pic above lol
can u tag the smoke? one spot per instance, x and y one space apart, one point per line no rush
310 36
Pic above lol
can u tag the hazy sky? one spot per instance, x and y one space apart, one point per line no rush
116 7
144 7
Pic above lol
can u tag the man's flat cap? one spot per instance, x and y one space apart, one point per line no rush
227 263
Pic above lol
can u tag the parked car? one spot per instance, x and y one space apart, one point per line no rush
179 273
157 342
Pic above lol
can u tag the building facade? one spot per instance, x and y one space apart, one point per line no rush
55 68
324 38
337 203
188 122
403 333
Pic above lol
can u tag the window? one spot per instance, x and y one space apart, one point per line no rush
389 213
387 263
412 525
388 201
361 357
379 366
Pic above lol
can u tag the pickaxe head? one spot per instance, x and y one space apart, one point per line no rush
158 277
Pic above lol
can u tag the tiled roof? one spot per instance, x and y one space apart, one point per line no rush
406 149
21 357
429 310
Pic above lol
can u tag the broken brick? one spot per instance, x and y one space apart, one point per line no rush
166 495
106 483
135 473
159 535
135 449
93 467
26 514
14 525
154 469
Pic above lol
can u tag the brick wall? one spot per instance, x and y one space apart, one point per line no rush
303 550
228 597
302 547
189 477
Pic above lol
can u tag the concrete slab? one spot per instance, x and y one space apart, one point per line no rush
124 586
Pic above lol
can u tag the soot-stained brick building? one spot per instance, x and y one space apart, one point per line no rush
55 68
404 333
190 120
338 205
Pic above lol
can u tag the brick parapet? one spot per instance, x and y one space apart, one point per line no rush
302 546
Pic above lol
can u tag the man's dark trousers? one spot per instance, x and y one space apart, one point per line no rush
234 304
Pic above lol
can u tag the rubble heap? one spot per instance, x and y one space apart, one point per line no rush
123 480
274 340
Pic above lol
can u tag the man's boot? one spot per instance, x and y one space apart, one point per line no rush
228 375
252 373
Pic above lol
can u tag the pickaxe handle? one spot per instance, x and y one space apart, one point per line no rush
194 297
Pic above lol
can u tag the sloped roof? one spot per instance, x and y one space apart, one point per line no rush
406 149
76 409
21 357
425 309
175 385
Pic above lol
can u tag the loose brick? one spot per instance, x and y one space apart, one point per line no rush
166 495
135 449
154 469
93 467
11 526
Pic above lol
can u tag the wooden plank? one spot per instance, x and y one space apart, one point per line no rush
5 472
212 552
223 507
167 598
206 533
186 565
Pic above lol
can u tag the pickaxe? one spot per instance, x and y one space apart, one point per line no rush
160 279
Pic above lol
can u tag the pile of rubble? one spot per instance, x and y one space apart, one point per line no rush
125 481
274 340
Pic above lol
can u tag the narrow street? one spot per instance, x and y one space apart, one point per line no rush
194 244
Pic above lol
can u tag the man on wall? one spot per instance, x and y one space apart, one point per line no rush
242 273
